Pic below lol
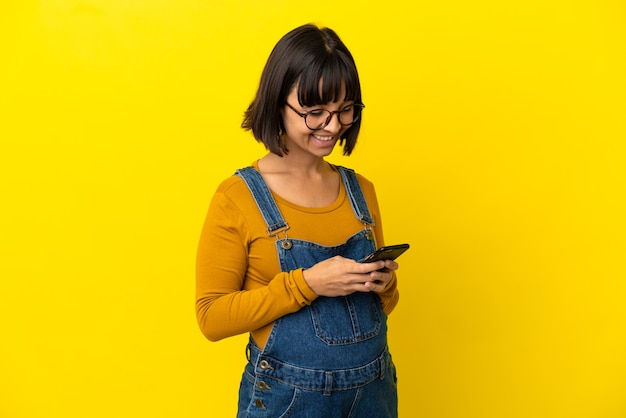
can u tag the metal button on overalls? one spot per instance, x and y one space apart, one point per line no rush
259 404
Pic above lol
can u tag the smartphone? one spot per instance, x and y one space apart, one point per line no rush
389 252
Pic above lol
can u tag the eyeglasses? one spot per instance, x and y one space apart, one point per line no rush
320 118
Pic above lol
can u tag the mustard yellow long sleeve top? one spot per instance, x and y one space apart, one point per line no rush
239 285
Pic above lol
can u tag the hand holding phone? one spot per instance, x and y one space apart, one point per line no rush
389 252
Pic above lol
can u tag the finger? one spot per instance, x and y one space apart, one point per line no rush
383 275
358 282
376 276
369 267
374 286
391 265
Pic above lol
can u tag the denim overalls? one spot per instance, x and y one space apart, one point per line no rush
329 359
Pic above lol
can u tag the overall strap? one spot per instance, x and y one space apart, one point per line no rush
357 200
264 200
274 219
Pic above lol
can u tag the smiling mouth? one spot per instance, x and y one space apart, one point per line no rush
324 138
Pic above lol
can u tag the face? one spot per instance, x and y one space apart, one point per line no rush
300 139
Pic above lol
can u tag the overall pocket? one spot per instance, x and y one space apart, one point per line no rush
346 319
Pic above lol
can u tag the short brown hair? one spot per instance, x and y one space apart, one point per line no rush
304 56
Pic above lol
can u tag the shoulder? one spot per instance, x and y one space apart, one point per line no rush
232 202
234 191
364 182
232 185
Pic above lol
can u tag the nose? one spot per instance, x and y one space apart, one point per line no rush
333 122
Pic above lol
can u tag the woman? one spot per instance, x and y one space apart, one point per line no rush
278 254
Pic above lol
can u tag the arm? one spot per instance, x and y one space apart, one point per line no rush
230 298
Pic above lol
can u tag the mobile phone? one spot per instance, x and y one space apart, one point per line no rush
389 252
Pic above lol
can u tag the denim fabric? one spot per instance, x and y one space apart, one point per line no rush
357 200
263 198
271 388
329 359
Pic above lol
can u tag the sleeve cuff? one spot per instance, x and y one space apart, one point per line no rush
301 290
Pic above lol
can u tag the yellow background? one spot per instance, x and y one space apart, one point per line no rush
494 132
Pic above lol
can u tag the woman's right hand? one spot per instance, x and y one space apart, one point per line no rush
339 276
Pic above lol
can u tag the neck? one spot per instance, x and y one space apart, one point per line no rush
300 165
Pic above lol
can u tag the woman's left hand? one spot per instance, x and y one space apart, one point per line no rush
381 277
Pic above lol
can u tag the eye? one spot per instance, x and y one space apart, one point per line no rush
348 108
316 112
